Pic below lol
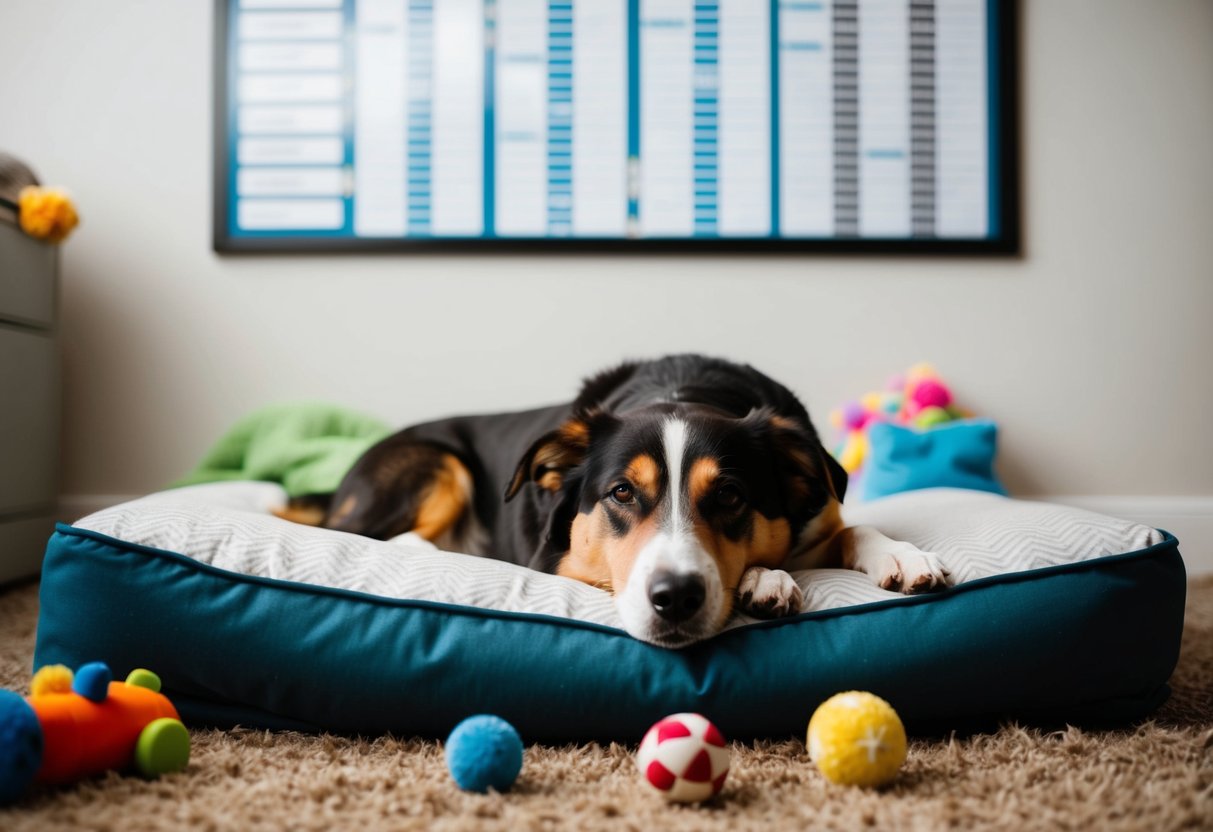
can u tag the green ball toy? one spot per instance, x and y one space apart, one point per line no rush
929 417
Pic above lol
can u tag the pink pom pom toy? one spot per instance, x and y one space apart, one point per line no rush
918 398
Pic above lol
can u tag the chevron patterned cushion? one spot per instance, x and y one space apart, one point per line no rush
205 586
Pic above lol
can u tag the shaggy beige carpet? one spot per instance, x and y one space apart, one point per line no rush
1157 775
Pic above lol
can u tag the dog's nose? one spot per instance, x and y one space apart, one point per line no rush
676 597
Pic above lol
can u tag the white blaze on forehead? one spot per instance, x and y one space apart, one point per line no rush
676 549
674 443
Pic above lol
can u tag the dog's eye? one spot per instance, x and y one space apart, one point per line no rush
728 497
623 494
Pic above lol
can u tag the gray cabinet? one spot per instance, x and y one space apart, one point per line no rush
29 401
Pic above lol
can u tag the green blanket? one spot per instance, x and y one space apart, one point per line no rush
307 448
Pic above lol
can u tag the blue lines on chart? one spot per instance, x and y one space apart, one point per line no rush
420 111
706 116
560 118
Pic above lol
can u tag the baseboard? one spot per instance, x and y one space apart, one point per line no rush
1188 518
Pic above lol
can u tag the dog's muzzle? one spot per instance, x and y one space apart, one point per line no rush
674 596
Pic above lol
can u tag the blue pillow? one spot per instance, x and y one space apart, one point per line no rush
957 454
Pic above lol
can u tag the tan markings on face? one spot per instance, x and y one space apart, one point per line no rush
701 479
599 558
644 475
445 502
816 541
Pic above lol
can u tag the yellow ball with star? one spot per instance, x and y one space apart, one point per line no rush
857 739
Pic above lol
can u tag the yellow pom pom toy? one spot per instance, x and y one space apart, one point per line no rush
857 739
46 213
54 678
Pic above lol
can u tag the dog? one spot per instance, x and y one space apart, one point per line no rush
685 486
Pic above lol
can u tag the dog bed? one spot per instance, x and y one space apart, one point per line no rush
1057 615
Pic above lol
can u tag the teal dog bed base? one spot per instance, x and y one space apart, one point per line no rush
1093 639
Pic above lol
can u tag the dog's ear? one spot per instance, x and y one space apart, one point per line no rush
556 534
810 475
552 455
838 475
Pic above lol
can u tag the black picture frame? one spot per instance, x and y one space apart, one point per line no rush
1006 243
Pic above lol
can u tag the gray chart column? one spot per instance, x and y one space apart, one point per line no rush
922 118
846 118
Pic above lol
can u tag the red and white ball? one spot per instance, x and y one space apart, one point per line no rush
684 757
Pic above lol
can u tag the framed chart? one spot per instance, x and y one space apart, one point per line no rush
840 125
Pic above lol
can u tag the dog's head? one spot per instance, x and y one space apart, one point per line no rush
667 506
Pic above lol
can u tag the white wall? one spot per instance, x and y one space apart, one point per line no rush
1093 350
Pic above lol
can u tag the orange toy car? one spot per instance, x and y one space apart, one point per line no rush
73 726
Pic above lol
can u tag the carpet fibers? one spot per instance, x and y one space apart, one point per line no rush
1156 775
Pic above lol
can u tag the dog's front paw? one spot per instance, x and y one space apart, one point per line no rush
907 569
768 593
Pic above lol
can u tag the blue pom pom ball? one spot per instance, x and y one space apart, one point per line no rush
20 746
484 752
92 681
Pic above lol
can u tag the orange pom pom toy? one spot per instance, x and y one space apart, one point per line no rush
75 725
